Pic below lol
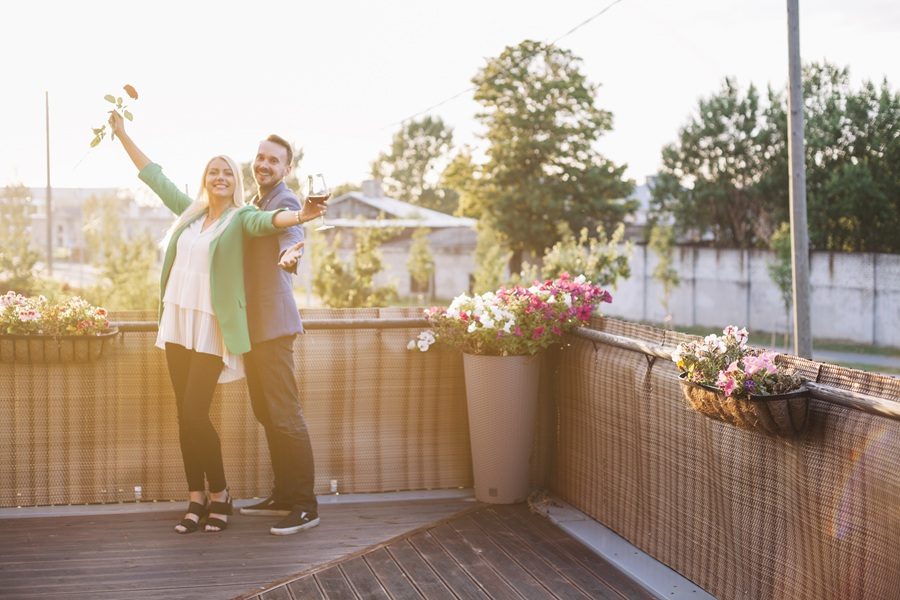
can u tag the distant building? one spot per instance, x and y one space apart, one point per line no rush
69 226
451 240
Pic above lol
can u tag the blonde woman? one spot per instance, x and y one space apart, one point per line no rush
203 321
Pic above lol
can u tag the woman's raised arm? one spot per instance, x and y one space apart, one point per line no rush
117 124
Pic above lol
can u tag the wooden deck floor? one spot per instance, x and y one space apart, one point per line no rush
502 552
432 549
138 556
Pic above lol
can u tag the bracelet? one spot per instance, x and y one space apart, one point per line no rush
297 214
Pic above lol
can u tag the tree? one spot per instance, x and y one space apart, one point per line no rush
662 242
852 161
491 260
541 169
421 260
102 227
129 275
17 257
602 260
726 178
409 172
351 284
710 179
781 269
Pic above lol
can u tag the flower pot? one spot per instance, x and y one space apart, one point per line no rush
54 349
777 415
501 394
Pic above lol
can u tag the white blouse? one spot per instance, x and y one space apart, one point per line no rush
188 318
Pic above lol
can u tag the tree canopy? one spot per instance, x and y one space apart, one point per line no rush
725 180
410 171
541 167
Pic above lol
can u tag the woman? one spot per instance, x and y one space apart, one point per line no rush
203 321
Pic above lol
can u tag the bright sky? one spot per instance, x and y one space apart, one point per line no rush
337 77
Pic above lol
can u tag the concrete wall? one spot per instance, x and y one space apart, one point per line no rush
854 296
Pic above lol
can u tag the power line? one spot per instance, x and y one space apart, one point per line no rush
472 88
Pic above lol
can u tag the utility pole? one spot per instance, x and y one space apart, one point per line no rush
49 213
797 188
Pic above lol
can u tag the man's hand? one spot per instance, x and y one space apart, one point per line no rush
291 256
311 210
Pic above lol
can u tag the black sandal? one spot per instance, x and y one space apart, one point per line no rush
219 508
190 525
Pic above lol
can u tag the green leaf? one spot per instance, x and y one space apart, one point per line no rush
110 98
97 131
119 102
95 141
128 116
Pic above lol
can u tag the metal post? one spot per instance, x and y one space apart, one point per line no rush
49 218
797 188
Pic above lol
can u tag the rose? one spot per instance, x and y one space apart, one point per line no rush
100 132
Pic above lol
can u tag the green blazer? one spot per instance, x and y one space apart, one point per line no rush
226 257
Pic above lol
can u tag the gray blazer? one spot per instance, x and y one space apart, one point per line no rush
271 309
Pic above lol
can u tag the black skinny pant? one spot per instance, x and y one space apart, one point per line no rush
194 376
274 397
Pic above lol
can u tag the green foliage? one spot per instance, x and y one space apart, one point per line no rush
781 269
421 260
602 260
710 181
118 105
409 171
727 176
542 169
17 257
491 259
130 278
662 242
102 226
342 284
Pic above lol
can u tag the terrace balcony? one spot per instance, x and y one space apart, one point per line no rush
638 496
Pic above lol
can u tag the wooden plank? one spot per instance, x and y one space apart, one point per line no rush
277 593
422 576
395 581
363 579
335 585
501 562
534 527
525 555
305 588
477 567
451 572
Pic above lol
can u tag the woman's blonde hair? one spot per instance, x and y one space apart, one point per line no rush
201 203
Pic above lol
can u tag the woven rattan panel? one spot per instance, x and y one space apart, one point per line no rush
381 418
741 514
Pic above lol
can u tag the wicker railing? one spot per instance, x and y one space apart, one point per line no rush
741 514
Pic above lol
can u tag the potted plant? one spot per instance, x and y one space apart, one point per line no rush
724 378
34 329
501 334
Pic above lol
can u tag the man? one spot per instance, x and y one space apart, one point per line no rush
274 322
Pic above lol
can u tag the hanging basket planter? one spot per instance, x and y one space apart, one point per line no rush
54 349
782 415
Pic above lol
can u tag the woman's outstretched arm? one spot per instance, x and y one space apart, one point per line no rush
117 124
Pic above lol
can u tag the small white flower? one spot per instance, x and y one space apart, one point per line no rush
472 326
580 279
411 345
423 346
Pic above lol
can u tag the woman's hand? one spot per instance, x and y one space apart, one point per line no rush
116 123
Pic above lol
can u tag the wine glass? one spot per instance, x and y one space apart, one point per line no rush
317 192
